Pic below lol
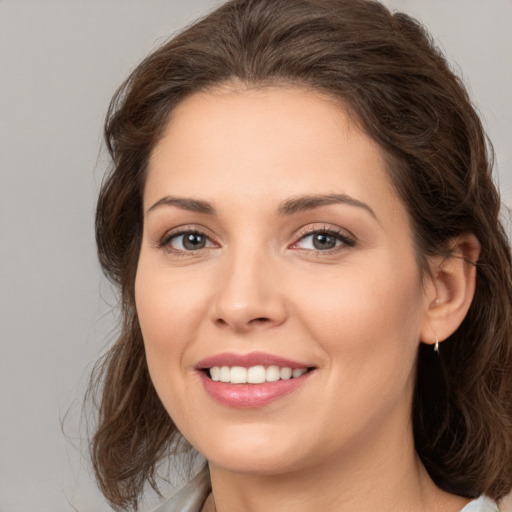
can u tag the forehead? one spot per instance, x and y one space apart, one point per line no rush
265 143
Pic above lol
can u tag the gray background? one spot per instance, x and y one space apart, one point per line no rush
60 62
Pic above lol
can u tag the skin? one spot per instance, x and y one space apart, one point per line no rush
357 313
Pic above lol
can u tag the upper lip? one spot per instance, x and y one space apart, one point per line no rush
248 360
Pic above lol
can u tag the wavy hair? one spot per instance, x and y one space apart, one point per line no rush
386 70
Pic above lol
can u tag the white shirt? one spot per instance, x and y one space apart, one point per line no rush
191 498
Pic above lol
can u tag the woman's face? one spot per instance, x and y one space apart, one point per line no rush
273 241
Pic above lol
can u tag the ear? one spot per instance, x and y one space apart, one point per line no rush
451 288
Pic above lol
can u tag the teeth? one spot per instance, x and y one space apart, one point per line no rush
238 375
254 374
215 373
285 373
272 374
225 374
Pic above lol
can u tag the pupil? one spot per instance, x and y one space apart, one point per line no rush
193 241
321 241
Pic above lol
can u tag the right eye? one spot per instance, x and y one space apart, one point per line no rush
187 241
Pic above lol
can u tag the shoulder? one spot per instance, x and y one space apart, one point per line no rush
482 504
191 497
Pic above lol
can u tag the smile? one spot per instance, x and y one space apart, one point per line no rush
254 374
251 380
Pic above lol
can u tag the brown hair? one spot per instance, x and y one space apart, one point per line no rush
386 70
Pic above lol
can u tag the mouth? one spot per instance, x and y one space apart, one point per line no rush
251 380
258 374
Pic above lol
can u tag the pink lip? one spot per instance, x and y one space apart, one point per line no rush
250 395
247 360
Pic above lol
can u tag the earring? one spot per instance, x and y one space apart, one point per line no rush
436 345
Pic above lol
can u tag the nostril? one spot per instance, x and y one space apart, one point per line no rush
242 316
259 320
254 322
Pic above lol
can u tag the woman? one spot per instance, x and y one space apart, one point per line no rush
315 284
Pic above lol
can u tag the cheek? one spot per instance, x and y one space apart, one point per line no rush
368 326
169 312
168 309
367 319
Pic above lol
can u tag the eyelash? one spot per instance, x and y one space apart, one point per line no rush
341 236
166 240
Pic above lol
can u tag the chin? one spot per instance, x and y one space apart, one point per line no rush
256 466
254 454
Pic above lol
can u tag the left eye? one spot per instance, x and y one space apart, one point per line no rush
189 241
322 241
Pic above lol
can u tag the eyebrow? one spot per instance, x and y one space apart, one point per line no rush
303 203
193 205
289 207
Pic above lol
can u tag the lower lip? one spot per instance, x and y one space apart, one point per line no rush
251 395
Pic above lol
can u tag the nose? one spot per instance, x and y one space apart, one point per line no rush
249 296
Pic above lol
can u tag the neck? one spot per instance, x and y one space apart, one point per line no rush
385 476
